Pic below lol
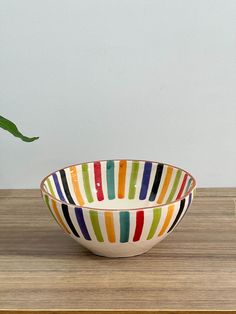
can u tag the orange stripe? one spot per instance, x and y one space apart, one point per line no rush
54 206
165 185
109 221
74 177
167 220
121 179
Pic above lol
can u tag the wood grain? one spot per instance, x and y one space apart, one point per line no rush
41 268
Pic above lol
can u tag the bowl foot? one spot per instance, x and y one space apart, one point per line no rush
119 255
126 252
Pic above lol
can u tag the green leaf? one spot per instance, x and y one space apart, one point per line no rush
12 128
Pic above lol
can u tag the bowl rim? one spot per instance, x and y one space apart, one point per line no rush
43 190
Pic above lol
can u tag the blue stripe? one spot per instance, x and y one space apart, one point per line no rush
81 222
145 180
58 187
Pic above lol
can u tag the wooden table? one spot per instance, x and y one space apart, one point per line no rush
194 269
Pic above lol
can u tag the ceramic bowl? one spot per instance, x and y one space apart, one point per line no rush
118 208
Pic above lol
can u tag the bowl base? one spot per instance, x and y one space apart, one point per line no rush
120 255
119 250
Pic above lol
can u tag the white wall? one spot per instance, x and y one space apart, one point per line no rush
144 79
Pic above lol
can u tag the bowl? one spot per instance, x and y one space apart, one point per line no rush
118 208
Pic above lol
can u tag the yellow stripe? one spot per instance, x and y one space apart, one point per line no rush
54 206
167 220
74 177
109 221
165 185
121 179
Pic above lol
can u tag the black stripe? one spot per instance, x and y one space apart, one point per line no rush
189 202
181 208
156 182
66 187
68 220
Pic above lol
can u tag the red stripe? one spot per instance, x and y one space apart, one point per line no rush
139 225
98 180
182 186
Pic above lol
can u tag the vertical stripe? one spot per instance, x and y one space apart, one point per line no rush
189 202
145 180
59 192
121 178
98 180
181 208
65 186
189 199
182 186
87 183
68 219
139 225
188 185
167 220
165 185
56 211
124 226
95 223
155 221
109 222
133 179
110 179
156 182
80 218
175 185
50 187
75 182
49 207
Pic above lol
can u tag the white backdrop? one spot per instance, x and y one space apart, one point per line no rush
104 79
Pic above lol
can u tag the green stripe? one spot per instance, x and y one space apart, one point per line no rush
48 205
175 185
124 227
96 227
155 222
87 183
110 180
50 187
133 179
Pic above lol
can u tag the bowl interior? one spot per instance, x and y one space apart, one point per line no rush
119 184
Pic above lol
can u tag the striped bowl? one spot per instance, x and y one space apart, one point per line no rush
118 208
